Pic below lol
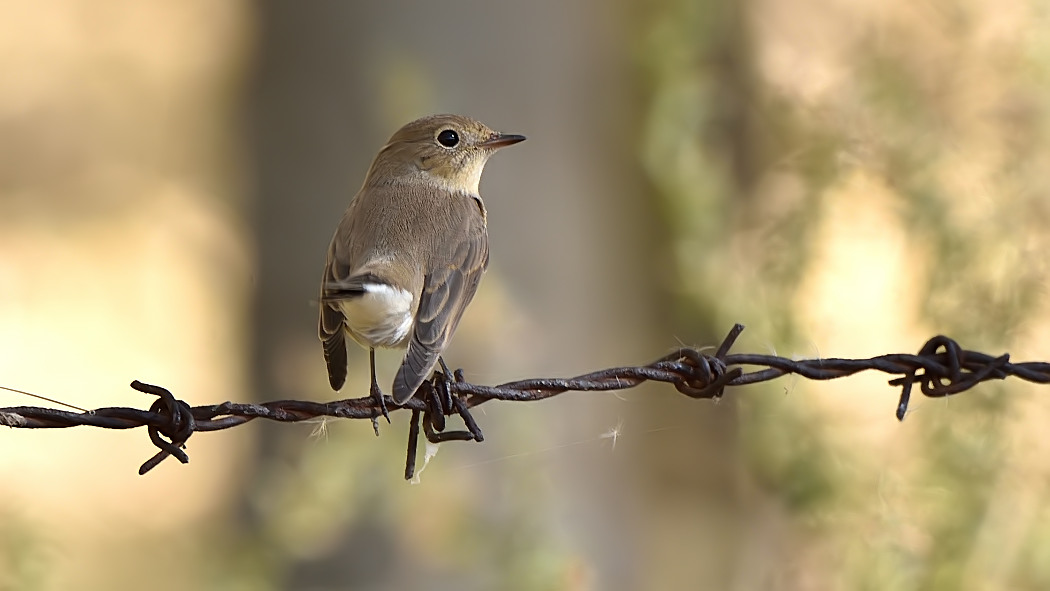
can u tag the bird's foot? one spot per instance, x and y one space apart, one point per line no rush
377 394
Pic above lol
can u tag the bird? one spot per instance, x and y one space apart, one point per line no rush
410 250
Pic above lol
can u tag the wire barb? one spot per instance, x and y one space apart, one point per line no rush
941 368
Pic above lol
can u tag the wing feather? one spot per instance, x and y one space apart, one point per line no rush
447 290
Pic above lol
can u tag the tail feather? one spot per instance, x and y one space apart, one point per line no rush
335 357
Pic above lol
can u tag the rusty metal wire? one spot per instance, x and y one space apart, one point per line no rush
940 368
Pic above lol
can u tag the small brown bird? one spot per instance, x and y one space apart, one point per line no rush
410 249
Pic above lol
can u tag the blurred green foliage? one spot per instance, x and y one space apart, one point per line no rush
951 115
24 553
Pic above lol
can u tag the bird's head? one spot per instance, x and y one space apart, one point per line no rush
450 149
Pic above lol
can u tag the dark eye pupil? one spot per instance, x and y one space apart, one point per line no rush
448 138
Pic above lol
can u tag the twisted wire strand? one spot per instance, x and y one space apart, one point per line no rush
940 368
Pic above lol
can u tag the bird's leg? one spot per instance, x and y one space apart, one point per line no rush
375 391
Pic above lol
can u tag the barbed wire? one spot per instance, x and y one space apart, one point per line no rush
940 368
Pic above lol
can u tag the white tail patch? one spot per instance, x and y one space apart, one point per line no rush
382 317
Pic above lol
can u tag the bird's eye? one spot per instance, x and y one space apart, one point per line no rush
448 138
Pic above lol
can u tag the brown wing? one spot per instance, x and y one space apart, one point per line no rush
447 289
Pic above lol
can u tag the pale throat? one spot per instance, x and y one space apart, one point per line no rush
466 180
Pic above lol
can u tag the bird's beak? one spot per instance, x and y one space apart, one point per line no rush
499 140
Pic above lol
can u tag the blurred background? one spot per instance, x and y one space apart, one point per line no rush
845 178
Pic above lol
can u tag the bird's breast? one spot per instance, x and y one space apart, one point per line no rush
381 317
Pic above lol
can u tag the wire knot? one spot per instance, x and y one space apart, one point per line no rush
176 424
949 372
702 375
